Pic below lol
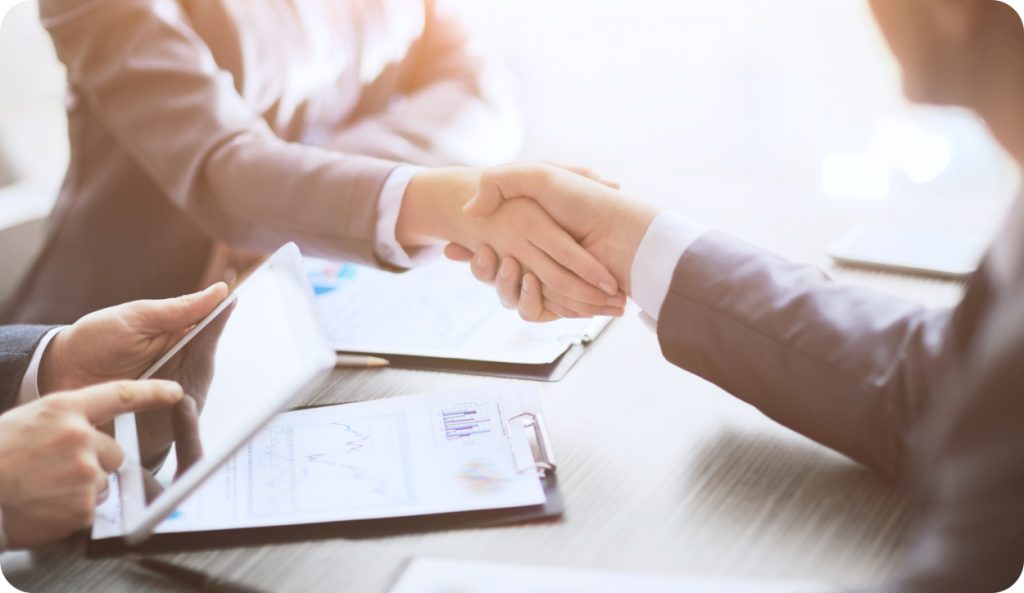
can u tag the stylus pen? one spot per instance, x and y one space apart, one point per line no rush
194 578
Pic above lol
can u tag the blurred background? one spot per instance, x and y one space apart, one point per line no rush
692 105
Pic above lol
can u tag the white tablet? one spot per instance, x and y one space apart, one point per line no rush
261 350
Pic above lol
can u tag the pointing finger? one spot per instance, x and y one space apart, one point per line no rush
102 403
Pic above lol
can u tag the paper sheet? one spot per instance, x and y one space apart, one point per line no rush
437 311
404 456
426 575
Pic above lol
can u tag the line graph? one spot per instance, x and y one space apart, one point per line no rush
328 466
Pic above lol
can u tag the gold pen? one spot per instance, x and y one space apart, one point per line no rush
350 361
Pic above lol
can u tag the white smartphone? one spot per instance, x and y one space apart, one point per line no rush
946 255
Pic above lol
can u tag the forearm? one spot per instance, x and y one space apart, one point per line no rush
850 368
159 93
257 195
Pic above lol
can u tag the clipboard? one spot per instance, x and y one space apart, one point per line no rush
552 510
438 318
552 372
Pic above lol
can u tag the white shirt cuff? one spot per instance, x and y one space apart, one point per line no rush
388 207
668 237
29 391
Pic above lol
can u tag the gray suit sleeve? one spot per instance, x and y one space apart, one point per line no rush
850 368
17 344
969 469
160 94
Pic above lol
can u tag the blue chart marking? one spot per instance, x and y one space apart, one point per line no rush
460 424
174 515
327 277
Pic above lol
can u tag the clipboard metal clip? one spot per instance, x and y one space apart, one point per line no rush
534 421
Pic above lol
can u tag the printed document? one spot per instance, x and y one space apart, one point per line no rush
437 311
396 457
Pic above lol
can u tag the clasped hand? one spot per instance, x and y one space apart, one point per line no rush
592 212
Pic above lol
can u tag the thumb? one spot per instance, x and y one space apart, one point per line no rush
509 181
588 173
169 315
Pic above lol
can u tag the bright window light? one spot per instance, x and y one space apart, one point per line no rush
854 176
922 153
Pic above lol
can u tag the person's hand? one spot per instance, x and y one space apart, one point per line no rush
121 342
521 229
193 368
605 223
54 463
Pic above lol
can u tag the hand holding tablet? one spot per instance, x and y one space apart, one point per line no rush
259 351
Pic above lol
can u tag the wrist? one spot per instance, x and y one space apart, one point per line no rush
632 224
432 206
53 370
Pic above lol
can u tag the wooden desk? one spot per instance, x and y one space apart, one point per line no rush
661 472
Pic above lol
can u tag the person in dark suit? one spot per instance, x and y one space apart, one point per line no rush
933 397
57 386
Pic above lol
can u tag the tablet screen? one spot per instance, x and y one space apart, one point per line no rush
259 353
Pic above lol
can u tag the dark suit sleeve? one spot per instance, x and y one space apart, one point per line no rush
17 344
969 462
848 367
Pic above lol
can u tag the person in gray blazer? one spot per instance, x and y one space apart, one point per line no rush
207 133
934 397
58 385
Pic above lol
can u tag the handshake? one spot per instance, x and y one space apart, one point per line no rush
557 242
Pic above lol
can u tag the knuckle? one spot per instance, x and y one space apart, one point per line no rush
545 172
125 392
83 469
182 302
84 509
509 284
560 284
74 436
117 456
54 406
562 254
